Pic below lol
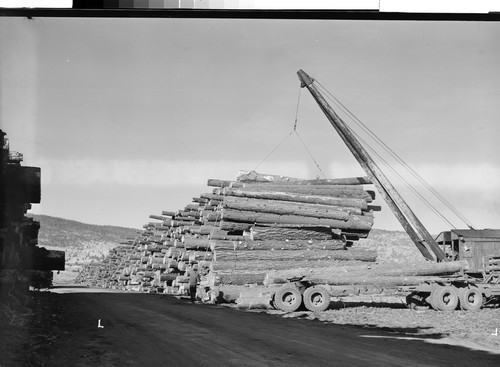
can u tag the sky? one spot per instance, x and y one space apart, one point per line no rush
130 117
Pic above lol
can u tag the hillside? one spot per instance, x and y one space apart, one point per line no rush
59 232
391 246
83 243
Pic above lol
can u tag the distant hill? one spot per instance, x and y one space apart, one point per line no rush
391 246
59 232
82 243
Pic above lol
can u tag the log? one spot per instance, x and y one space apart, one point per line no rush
213 182
183 221
259 233
297 255
202 229
228 237
345 191
284 208
211 216
200 200
346 204
173 252
364 273
158 217
261 266
253 176
233 226
240 278
187 215
195 243
198 256
291 245
216 197
256 297
254 217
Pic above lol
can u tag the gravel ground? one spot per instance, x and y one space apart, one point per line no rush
477 330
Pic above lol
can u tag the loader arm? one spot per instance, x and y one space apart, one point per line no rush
411 224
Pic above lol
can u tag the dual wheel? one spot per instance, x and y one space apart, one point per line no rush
449 298
289 298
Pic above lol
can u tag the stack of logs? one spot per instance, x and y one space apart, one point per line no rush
22 262
242 230
263 230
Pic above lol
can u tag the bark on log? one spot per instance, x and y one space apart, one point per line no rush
225 267
253 176
193 207
194 243
213 182
185 214
254 217
198 256
203 229
216 197
200 200
259 233
164 277
284 208
233 226
322 190
353 205
159 217
240 279
364 274
292 245
298 255
228 237
212 216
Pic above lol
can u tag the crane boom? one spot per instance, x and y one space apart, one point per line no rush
412 225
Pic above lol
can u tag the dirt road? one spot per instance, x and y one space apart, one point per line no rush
156 330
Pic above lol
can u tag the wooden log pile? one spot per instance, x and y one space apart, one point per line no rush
242 229
22 262
260 230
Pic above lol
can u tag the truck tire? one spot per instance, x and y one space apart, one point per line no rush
288 298
316 299
445 298
471 299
